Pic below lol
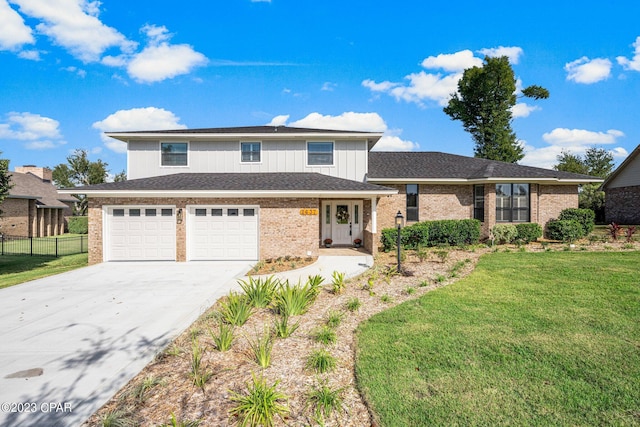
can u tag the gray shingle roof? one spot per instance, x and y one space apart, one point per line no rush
29 186
240 182
436 165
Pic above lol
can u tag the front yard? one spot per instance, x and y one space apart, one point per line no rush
553 334
16 269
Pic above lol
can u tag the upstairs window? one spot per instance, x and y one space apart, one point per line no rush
512 203
412 202
250 152
173 153
320 153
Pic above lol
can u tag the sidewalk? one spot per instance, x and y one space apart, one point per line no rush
351 266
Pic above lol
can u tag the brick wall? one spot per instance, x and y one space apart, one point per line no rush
282 230
622 205
15 219
552 199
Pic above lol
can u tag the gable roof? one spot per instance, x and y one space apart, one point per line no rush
259 132
29 186
626 162
236 185
431 166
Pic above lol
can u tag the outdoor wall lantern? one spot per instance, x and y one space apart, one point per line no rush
399 225
179 216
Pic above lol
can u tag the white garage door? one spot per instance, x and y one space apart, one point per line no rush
140 233
222 232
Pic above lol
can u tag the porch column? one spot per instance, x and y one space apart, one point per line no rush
374 215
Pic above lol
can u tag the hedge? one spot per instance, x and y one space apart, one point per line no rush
452 232
78 225
585 217
567 230
504 233
528 232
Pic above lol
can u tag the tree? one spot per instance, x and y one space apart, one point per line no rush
80 171
5 180
483 104
596 162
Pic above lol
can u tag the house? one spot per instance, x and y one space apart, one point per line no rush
268 191
622 189
34 208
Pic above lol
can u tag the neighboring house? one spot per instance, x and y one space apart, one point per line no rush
622 189
269 191
34 208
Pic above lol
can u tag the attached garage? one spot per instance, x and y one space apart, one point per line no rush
222 232
140 233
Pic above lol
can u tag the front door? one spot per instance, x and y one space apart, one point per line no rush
343 223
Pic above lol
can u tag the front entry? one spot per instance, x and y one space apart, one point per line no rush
342 221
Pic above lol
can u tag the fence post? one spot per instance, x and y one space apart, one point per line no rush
56 247
31 246
2 239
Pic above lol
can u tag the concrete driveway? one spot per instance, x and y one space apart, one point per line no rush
69 342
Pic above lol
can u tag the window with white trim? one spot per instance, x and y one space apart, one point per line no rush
173 153
250 152
320 153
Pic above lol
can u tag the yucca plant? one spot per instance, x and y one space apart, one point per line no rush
261 348
324 399
325 335
223 339
260 404
236 309
334 318
259 292
282 327
321 361
199 375
314 283
292 300
338 285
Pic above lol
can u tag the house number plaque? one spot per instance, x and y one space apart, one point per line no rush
308 211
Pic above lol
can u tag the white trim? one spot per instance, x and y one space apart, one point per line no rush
333 154
173 166
126 136
374 215
250 142
235 194
559 181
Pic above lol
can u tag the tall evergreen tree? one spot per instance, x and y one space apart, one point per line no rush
483 104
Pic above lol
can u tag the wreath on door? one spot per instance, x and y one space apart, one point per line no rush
342 216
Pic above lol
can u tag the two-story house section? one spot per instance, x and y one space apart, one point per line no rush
249 193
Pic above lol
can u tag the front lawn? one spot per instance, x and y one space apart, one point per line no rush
16 269
527 339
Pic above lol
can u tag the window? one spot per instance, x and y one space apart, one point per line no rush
320 153
134 212
201 212
512 202
166 212
249 152
478 202
412 202
216 212
118 212
248 212
232 212
173 153
149 212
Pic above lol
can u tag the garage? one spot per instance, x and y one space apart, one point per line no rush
222 233
140 233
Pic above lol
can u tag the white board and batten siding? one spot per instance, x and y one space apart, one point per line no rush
350 158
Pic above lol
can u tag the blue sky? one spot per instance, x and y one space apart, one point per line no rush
72 69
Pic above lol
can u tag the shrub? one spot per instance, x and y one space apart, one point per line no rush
236 309
324 399
433 233
321 361
338 285
259 292
294 300
585 217
528 232
334 318
353 304
614 230
224 338
282 327
141 391
261 348
504 233
199 375
564 230
630 231
78 225
259 405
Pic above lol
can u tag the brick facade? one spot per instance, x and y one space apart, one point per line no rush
622 205
22 218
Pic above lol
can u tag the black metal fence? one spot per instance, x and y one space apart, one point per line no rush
43 246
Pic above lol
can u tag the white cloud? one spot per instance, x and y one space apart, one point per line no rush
512 52
588 71
523 110
32 55
37 131
279 120
149 118
369 122
575 141
634 63
452 62
161 60
394 143
328 86
14 33
74 25
422 87
572 137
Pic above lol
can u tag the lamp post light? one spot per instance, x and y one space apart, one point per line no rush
399 224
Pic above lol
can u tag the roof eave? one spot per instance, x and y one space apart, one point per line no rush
372 137
235 193
480 180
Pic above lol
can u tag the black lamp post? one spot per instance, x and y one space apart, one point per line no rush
399 224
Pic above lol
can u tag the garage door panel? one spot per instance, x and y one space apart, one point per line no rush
222 233
138 234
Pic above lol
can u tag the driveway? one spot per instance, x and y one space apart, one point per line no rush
69 342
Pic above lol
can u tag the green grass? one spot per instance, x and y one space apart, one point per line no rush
526 339
15 269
